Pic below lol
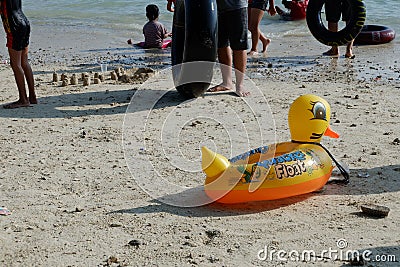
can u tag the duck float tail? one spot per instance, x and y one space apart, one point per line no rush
213 164
279 170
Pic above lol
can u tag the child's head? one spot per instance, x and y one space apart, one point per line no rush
152 12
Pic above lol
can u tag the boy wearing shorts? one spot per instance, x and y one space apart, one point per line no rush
333 10
232 44
18 29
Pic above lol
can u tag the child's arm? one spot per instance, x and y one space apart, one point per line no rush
165 32
169 5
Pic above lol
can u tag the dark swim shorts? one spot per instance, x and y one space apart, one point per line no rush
18 37
335 8
259 4
232 29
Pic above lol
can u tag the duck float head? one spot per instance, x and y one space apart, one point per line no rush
309 117
277 170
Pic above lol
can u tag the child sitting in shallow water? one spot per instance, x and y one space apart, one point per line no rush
154 32
297 9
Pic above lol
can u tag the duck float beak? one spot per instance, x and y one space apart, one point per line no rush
329 132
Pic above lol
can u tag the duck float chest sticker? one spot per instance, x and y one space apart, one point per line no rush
285 166
298 165
288 165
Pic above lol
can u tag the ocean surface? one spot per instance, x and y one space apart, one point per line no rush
88 31
128 16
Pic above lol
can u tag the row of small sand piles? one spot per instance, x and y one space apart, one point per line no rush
135 75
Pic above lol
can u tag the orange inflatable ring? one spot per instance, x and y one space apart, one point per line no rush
375 34
279 170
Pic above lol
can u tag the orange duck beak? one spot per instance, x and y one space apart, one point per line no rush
329 132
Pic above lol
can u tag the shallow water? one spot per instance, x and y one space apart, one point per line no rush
77 31
126 15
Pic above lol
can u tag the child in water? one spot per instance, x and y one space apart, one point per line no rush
297 9
154 32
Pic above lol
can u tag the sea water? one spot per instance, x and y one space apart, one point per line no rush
113 16
100 28
122 16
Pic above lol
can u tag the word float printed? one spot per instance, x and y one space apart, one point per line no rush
289 171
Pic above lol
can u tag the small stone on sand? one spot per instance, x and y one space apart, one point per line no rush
375 210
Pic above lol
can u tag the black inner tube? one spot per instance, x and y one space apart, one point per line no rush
194 41
374 28
345 35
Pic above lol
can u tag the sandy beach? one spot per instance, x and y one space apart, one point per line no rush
66 172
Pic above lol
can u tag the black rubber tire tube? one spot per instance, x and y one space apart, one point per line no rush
194 39
345 35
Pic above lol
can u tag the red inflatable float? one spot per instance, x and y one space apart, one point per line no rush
375 34
165 44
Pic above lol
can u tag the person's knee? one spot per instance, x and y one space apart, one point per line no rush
16 66
253 28
25 66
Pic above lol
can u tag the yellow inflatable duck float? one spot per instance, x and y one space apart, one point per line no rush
279 170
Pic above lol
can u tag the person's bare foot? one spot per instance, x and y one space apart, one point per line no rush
218 88
252 53
16 104
32 99
265 43
240 91
349 54
333 52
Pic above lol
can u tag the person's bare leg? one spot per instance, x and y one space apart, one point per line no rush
28 76
225 61
334 51
279 10
239 61
349 49
265 41
15 61
256 34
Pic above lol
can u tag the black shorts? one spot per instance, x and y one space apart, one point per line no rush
335 8
18 37
260 4
232 29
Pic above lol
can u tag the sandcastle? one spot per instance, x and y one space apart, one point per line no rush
119 74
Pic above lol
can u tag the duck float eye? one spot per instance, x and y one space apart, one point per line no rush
318 110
